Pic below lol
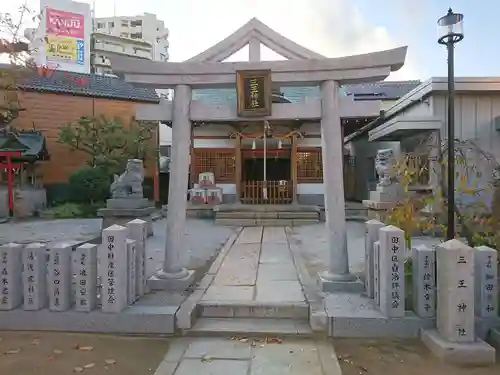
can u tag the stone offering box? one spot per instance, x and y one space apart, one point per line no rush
86 288
205 191
453 292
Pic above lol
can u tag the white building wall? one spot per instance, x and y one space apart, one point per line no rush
475 115
145 27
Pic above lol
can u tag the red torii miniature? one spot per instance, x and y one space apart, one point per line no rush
9 166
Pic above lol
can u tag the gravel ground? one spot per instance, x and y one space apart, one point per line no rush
47 231
314 249
203 240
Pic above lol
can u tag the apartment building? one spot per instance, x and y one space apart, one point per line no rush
143 36
106 45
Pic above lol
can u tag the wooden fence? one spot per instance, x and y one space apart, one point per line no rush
278 192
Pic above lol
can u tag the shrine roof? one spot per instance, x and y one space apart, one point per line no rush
90 85
80 84
384 90
30 143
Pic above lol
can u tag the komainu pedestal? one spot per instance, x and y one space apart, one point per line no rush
127 201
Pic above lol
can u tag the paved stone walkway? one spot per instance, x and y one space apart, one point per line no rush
259 267
242 356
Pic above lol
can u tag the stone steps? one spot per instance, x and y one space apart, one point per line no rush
266 218
267 215
264 222
250 327
253 309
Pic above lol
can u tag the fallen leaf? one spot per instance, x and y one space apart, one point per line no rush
363 368
276 340
13 351
50 358
86 348
89 365
206 358
78 369
243 340
35 342
57 351
110 361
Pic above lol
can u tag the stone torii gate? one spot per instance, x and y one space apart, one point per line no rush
206 70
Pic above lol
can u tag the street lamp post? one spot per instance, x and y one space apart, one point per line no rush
450 32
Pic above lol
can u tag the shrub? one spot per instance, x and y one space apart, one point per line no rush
74 210
89 185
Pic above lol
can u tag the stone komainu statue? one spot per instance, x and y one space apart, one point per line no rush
129 183
383 162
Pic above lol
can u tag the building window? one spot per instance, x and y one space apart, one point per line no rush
218 161
309 165
136 35
101 25
124 23
111 25
136 23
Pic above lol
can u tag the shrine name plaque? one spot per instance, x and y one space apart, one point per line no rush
254 93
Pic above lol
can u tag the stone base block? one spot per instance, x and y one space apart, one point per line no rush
135 319
352 315
494 338
477 353
128 203
173 285
483 326
329 286
111 216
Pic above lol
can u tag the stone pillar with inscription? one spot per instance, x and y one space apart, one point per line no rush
391 270
424 281
86 277
486 282
137 231
455 291
455 339
35 276
60 278
11 284
376 273
114 264
371 236
131 271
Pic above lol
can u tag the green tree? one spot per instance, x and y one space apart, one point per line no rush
426 211
108 142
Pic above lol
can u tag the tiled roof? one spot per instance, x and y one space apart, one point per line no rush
88 85
385 90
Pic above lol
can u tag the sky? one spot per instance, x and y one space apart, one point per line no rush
331 27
